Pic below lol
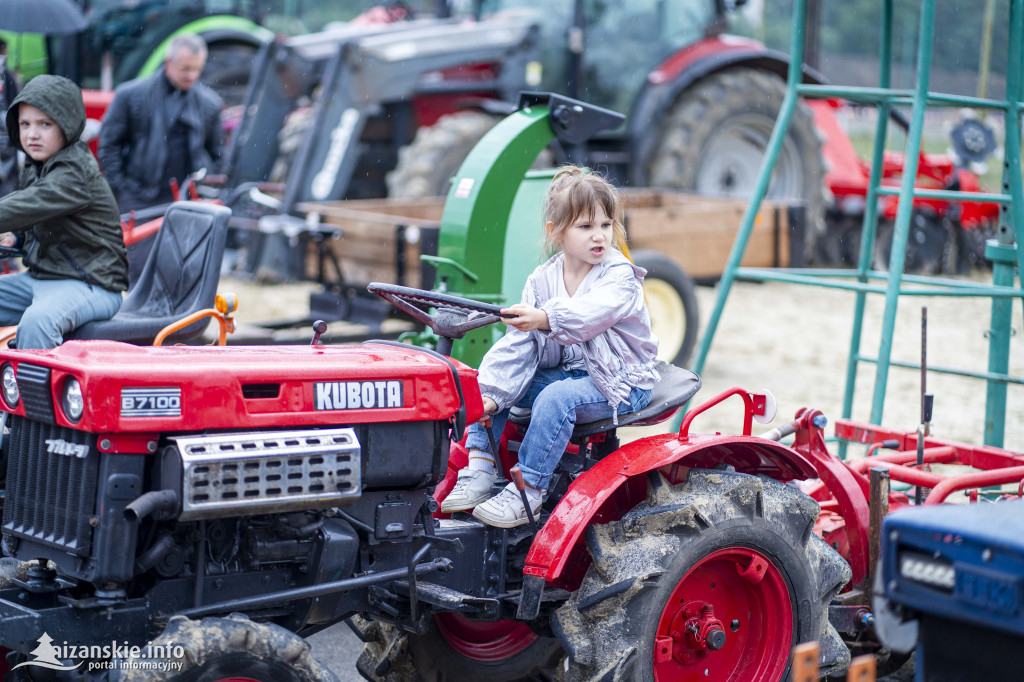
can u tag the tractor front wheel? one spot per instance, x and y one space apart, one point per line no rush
716 578
454 649
233 648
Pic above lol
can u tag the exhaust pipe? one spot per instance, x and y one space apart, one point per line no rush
153 501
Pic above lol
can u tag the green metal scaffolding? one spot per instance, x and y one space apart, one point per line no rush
1005 256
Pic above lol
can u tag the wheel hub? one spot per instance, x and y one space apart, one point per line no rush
694 632
729 617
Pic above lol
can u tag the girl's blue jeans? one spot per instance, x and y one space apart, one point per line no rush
47 309
559 400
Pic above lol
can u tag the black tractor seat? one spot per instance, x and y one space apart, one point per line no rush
180 277
673 390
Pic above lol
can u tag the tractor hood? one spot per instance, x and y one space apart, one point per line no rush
133 389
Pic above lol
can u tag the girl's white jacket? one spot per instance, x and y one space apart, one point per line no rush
607 316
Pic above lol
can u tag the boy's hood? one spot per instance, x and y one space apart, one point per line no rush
58 98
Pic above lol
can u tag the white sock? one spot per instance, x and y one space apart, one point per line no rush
534 496
481 461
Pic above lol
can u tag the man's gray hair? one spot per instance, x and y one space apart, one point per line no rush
186 41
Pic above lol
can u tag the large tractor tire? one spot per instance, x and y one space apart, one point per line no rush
455 649
672 301
716 578
427 165
232 648
715 135
228 68
932 244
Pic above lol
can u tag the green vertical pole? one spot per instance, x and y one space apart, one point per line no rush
868 229
1009 222
739 247
926 34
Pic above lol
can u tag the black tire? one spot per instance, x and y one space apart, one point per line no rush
393 656
932 245
665 548
228 67
427 165
715 135
672 300
218 648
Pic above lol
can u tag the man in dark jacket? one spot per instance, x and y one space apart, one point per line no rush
63 216
8 155
161 128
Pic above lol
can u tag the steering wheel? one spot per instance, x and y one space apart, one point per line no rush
455 316
10 252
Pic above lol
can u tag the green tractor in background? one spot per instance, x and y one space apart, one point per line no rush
126 39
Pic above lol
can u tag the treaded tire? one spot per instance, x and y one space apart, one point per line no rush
672 300
715 135
427 165
932 245
647 564
228 68
400 657
219 648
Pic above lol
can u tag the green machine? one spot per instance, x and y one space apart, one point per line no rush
492 227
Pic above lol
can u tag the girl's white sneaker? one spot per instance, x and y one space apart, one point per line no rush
506 509
471 488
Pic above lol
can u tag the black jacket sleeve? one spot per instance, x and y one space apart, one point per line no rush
114 136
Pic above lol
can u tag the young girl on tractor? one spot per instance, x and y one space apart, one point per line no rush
579 348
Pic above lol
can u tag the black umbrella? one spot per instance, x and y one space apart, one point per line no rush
50 17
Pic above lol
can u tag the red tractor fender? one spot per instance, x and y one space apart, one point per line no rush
618 483
685 67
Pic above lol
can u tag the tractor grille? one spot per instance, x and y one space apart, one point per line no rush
51 484
250 473
34 386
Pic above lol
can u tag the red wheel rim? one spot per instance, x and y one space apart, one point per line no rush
740 592
486 642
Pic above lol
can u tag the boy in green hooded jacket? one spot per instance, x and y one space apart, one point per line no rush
63 216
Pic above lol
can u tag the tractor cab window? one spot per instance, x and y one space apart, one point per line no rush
622 41
625 41
553 19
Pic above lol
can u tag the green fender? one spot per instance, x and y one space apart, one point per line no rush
26 53
203 27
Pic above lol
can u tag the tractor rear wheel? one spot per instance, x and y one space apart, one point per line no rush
715 578
931 244
672 301
232 648
715 135
228 68
454 649
427 165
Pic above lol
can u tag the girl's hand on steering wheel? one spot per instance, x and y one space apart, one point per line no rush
525 317
8 239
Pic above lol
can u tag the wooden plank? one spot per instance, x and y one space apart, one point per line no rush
699 234
862 669
695 231
805 662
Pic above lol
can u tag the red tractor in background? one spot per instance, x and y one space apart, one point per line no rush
393 110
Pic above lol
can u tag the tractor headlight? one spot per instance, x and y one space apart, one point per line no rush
72 400
10 386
